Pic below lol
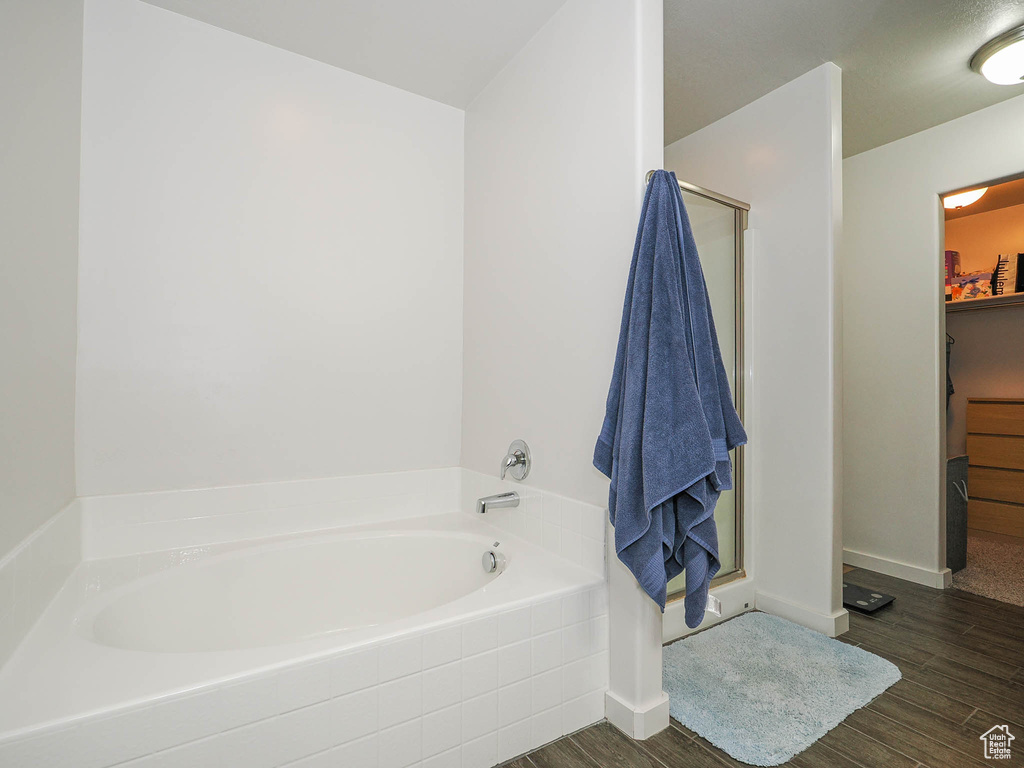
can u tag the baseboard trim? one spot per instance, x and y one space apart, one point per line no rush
638 724
833 624
928 578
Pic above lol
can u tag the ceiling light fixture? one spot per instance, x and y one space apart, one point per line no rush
960 199
1001 59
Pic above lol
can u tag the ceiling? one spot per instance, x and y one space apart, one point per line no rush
1003 195
446 50
905 62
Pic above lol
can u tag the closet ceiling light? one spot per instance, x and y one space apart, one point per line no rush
1001 60
960 199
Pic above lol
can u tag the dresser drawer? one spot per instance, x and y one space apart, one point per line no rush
996 484
995 451
996 517
995 418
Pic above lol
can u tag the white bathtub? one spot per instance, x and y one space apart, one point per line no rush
291 591
376 645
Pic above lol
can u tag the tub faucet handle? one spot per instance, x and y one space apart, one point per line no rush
516 461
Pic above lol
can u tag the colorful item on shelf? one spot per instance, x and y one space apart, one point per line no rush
1009 275
952 264
973 285
952 270
1000 285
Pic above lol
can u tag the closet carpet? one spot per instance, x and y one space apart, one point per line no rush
995 569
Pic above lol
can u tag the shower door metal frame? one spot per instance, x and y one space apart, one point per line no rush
740 213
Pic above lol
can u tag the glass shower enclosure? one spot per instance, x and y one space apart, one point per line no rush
718 224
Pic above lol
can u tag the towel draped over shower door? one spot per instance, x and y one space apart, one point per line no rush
669 421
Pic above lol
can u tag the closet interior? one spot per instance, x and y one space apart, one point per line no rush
984 399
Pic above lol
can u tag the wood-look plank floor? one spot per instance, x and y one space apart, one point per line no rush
962 658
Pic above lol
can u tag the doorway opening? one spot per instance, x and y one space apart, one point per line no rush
984 394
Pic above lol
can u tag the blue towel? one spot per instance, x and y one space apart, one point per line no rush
670 422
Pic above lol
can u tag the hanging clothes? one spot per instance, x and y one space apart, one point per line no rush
950 341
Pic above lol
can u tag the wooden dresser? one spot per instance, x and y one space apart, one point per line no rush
995 474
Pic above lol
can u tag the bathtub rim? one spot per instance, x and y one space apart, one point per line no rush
88 613
13 676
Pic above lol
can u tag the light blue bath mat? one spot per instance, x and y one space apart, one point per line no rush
763 688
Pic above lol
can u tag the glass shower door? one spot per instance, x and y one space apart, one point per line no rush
718 230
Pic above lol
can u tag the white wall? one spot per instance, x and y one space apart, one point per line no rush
556 150
894 366
40 90
553 182
987 361
781 155
271 263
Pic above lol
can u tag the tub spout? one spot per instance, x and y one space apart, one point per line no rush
498 500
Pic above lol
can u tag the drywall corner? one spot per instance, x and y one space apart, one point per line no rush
41 92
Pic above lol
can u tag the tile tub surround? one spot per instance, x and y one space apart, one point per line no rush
32 574
544 670
130 524
562 526
468 694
